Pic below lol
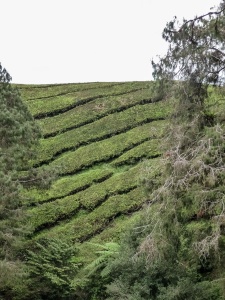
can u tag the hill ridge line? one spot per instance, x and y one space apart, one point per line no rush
71 92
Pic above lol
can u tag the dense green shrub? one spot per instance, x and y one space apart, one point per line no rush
138 273
52 265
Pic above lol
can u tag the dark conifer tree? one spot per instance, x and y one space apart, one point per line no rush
18 138
177 250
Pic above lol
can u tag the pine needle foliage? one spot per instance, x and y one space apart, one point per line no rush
18 138
177 250
193 163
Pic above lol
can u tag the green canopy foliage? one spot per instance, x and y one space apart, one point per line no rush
177 250
52 265
18 138
195 59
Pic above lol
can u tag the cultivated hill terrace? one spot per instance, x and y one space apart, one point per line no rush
100 137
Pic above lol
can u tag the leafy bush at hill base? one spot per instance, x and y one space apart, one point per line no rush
129 277
52 265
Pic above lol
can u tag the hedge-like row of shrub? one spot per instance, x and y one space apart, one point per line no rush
88 199
66 185
91 111
33 92
52 105
86 225
101 129
148 149
102 151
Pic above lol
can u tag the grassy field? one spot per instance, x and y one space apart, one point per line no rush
99 136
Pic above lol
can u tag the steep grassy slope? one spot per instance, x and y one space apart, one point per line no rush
98 136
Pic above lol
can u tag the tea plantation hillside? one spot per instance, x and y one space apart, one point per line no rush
98 136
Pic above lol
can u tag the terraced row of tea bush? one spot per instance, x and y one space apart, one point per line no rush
49 105
98 136
92 111
87 199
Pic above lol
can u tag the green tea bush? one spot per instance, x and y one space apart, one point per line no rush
66 185
32 92
101 129
92 111
50 213
85 225
102 151
44 106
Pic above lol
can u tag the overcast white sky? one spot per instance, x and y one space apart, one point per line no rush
61 41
